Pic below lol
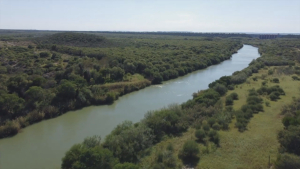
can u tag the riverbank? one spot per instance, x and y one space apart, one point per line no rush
100 95
251 148
205 112
72 127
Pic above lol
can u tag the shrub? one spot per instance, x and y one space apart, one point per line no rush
44 54
200 135
275 80
126 141
206 127
295 78
166 121
88 154
165 159
264 83
267 103
221 89
270 72
234 96
208 97
287 121
229 101
289 139
9 129
216 126
189 152
273 96
287 161
211 121
126 166
157 78
230 87
110 97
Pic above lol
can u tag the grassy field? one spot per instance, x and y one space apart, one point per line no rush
252 148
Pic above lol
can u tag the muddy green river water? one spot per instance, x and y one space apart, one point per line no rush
42 145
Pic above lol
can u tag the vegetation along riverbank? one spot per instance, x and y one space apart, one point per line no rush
46 74
247 120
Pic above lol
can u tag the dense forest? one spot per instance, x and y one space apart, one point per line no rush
45 76
130 145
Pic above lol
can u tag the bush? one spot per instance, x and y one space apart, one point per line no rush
221 89
208 97
295 78
189 152
166 121
88 154
270 72
165 159
229 101
287 161
214 137
267 104
289 139
157 78
127 141
126 166
275 80
110 98
200 135
44 54
216 126
211 121
273 96
9 129
230 87
206 127
234 96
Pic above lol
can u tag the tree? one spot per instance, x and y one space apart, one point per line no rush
287 161
80 156
116 73
38 80
127 141
229 101
10 104
190 152
234 96
157 78
18 84
88 155
44 54
200 134
34 96
275 80
221 89
289 139
67 90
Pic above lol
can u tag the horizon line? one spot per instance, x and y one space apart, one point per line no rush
123 31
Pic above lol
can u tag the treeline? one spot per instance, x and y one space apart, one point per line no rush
129 143
73 39
212 35
46 80
289 137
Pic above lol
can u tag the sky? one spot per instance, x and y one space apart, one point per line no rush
251 16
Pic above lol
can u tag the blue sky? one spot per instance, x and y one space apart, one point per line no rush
273 16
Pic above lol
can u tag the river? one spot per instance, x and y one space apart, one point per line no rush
42 145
